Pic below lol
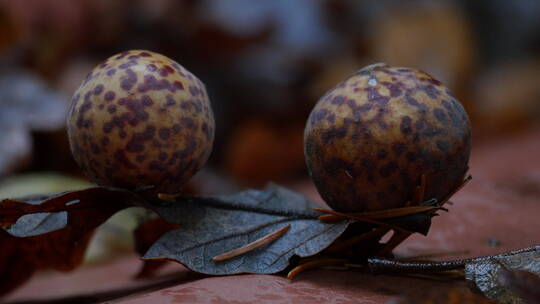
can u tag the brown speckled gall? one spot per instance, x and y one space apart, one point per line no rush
140 120
369 139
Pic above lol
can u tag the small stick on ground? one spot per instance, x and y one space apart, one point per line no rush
313 264
267 239
361 219
377 215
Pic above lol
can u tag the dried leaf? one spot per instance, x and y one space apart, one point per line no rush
147 234
522 283
52 232
486 273
92 200
214 226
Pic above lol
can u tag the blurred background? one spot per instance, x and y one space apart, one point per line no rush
265 64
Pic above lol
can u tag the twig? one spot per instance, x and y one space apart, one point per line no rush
382 214
361 219
382 265
313 264
267 239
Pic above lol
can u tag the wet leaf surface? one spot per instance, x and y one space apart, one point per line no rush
210 227
501 277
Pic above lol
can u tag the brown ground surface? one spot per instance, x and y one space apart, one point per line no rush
496 212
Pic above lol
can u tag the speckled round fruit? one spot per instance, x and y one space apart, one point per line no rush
368 140
141 121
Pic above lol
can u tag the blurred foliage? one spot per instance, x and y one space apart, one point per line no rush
38 183
266 63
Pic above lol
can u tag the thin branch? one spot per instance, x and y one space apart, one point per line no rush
391 266
382 214
361 219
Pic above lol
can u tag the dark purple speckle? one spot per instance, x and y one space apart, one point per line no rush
111 109
109 96
151 67
147 101
98 89
164 133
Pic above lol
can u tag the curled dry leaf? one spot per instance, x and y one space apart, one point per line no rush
491 277
213 226
145 235
522 283
52 232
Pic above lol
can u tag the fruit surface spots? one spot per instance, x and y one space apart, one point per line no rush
369 139
128 126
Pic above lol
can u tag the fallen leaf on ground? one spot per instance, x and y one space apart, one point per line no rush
211 227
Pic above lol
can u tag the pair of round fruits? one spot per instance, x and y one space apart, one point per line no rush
142 122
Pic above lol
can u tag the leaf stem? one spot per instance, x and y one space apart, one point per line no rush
382 214
216 203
